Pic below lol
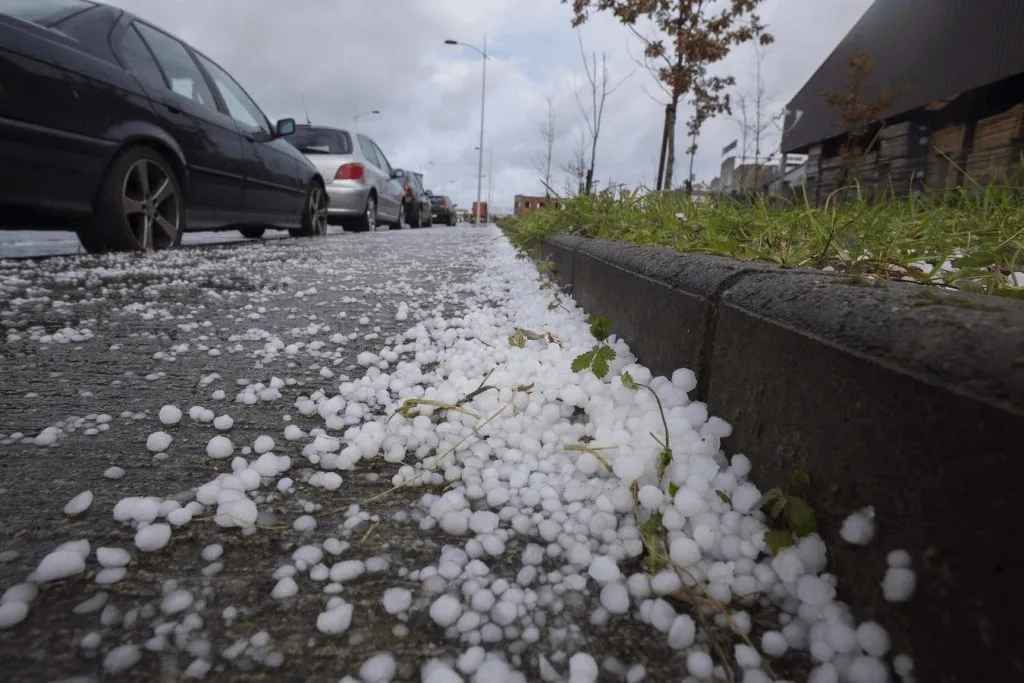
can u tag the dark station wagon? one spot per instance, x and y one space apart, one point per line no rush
115 128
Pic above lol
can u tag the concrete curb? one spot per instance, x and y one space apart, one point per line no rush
900 396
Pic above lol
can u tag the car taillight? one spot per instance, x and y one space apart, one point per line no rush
408 191
350 172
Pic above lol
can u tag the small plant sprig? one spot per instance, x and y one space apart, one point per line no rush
522 336
798 514
599 358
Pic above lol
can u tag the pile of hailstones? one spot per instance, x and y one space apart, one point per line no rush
515 476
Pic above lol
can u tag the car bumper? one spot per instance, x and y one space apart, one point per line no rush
346 200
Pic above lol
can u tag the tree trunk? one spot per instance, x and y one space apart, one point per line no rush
671 160
664 148
693 156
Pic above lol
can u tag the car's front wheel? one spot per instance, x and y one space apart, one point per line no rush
139 207
314 213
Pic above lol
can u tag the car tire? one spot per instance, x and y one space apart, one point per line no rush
314 213
252 233
416 220
400 221
139 207
368 221
430 220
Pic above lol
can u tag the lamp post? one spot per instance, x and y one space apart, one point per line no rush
490 172
483 101
365 113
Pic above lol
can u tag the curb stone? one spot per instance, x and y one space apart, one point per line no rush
900 396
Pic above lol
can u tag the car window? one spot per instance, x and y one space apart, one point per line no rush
368 151
320 141
140 60
43 12
91 28
343 141
385 164
181 71
240 106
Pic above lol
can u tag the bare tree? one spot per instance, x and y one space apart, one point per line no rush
576 167
600 89
856 112
694 34
754 118
543 161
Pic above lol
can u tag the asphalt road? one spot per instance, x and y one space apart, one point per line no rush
142 331
29 243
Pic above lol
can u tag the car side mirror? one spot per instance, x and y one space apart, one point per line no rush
285 127
398 173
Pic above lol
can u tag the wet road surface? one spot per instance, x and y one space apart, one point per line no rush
95 346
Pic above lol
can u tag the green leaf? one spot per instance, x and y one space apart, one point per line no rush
603 355
768 496
517 340
628 381
664 460
800 516
673 489
553 305
723 496
778 539
583 361
778 507
600 327
799 478
979 259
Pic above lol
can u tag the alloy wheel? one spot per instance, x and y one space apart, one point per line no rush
371 215
318 210
151 205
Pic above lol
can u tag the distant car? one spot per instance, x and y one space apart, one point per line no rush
443 209
364 190
113 127
417 199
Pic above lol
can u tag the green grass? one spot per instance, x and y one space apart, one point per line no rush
978 233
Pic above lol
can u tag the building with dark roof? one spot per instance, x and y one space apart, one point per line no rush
959 65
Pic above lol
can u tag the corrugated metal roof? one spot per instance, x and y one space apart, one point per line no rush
936 48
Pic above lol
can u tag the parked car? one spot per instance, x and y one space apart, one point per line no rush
417 199
443 209
363 188
116 128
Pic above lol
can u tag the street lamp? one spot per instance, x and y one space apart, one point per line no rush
365 113
483 101
490 172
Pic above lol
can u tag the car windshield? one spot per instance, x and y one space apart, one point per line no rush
436 200
320 141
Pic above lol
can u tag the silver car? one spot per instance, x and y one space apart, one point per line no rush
362 188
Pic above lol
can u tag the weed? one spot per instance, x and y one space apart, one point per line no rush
973 241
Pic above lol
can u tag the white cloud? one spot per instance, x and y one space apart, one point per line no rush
349 55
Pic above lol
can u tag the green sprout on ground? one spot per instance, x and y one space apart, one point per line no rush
796 512
597 359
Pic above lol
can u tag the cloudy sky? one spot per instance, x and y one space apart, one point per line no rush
349 56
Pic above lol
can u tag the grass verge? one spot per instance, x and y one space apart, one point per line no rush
972 240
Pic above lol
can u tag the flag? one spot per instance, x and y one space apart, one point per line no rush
730 147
